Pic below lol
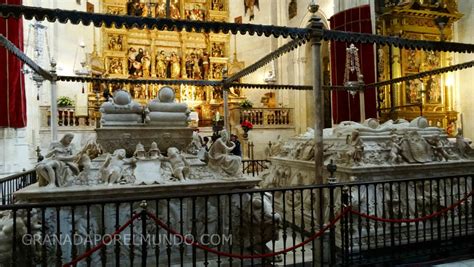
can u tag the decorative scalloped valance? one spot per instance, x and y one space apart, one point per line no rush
107 20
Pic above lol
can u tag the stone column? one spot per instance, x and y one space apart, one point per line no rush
316 27
54 103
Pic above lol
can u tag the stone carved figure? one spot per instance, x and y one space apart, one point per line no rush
274 148
395 150
462 145
308 151
154 152
116 166
195 145
140 152
179 164
58 167
439 153
260 222
17 227
221 160
357 147
415 148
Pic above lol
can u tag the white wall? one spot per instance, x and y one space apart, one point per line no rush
18 145
465 78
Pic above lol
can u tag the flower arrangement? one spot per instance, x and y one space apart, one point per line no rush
246 125
64 101
246 104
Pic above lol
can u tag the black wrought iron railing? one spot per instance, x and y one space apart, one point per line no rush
15 182
254 166
341 224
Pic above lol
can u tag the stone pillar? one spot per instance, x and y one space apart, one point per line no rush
316 27
54 103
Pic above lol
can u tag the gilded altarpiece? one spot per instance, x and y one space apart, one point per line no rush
153 54
432 97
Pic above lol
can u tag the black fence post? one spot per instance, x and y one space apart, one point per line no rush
144 238
345 225
332 230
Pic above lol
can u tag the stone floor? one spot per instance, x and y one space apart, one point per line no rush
463 263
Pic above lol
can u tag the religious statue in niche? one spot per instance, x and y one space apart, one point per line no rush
146 64
217 69
175 66
217 49
115 10
413 58
115 42
161 64
249 6
217 5
434 91
413 88
137 91
115 66
197 64
292 9
194 11
135 8
432 60
135 66
205 65
160 9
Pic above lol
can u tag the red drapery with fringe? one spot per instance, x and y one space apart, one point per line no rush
12 89
344 105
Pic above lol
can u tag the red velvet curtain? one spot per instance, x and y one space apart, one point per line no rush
12 84
344 105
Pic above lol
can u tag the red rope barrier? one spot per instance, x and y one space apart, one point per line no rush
254 256
103 242
424 218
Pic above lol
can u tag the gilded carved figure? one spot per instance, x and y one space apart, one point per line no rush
135 8
249 7
115 66
175 66
161 65
217 5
